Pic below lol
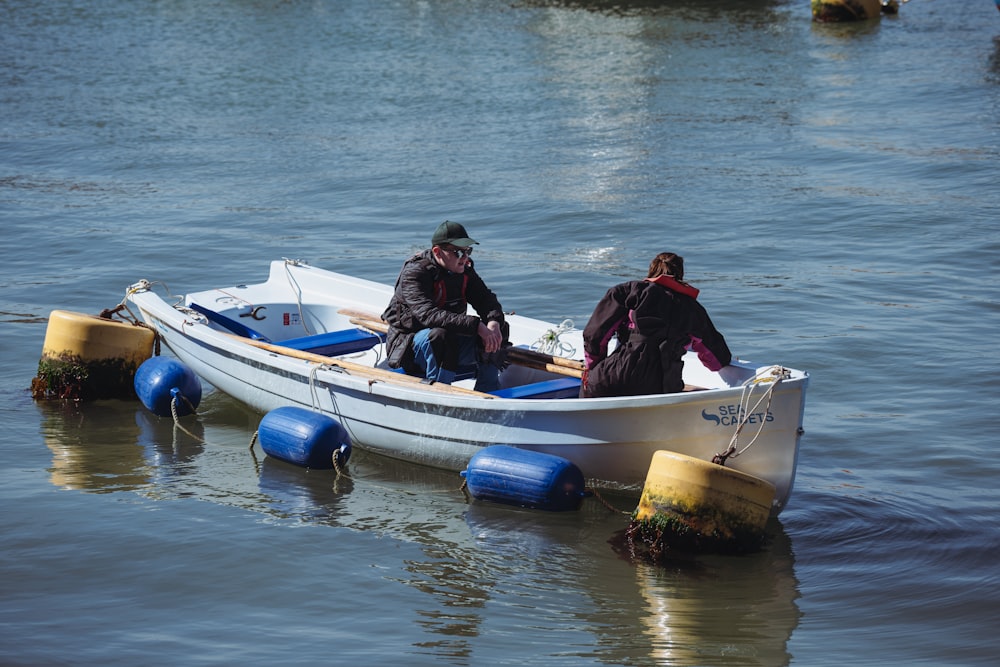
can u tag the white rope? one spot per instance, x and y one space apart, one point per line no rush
313 393
549 343
141 286
146 286
335 409
298 290
771 375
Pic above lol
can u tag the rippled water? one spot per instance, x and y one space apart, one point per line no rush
832 188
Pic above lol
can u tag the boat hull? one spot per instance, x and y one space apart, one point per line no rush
611 440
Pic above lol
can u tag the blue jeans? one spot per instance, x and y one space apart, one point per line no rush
487 375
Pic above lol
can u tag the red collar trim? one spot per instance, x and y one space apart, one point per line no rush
675 285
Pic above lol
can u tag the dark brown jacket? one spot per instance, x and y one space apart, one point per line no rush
427 296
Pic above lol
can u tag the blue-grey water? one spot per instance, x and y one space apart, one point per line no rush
833 188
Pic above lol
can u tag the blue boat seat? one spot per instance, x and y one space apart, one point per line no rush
334 343
564 387
329 344
237 328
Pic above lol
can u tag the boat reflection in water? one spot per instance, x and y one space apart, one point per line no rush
290 492
733 609
107 446
474 566
170 447
693 610
115 445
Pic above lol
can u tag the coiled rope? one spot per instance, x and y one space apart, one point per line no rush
549 343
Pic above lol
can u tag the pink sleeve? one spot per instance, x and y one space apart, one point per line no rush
704 354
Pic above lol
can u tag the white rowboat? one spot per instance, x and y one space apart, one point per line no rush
302 315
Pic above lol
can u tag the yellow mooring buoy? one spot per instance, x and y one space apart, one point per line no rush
698 506
88 357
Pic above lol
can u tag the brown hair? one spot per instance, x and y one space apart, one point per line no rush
667 263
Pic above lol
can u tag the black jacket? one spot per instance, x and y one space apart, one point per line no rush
427 296
655 322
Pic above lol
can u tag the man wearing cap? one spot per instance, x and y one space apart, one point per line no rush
431 333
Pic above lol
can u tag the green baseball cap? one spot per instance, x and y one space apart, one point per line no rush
452 233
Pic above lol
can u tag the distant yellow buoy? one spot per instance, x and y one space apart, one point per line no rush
90 357
847 10
698 506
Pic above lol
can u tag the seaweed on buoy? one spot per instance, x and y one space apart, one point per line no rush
87 357
71 377
660 538
830 11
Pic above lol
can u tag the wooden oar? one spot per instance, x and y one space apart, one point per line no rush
372 374
568 366
516 355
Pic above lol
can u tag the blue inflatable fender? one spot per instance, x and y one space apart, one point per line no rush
162 381
505 474
304 437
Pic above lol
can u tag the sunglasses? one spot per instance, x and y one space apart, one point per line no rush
461 253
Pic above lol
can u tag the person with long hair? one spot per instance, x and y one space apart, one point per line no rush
656 321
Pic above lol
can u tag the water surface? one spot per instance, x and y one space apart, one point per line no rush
832 188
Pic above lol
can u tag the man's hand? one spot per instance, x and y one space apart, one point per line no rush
491 335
